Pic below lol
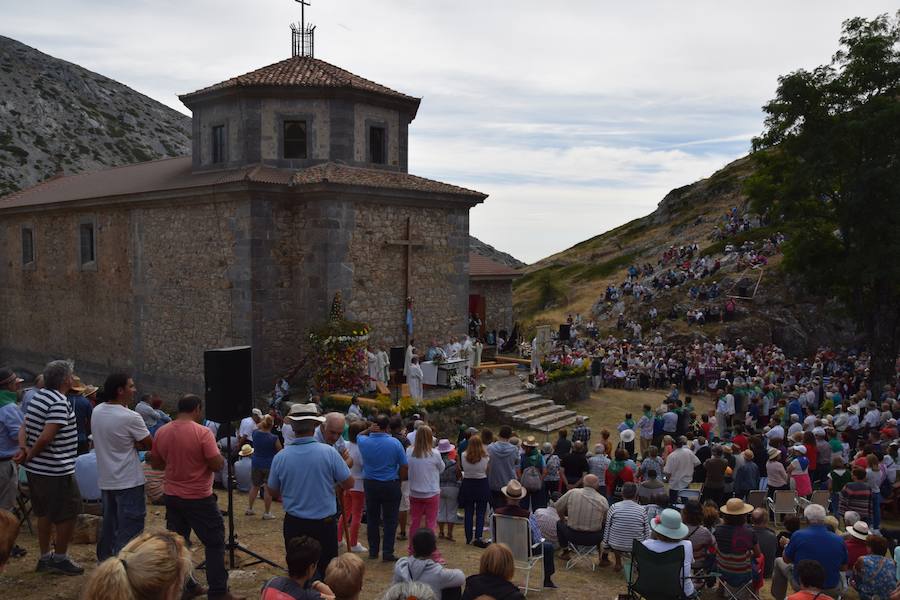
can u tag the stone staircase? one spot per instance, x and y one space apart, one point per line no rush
524 408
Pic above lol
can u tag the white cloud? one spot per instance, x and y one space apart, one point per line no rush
575 116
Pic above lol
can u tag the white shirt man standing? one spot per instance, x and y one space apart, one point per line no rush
679 467
118 433
248 426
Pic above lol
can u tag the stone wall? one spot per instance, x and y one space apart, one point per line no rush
443 422
566 391
439 281
498 303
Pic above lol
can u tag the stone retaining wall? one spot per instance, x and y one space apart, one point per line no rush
566 391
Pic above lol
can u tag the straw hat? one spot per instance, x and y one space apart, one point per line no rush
736 506
748 454
444 446
627 435
668 523
859 530
77 385
305 412
89 391
530 442
514 490
774 453
246 450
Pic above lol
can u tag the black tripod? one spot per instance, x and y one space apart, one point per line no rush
231 544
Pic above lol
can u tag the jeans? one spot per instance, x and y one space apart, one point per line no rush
123 519
419 508
382 505
323 531
473 497
353 509
534 500
876 510
202 516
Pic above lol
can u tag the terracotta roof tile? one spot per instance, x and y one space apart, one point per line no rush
173 174
302 71
483 267
380 178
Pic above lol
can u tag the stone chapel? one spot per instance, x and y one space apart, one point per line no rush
297 188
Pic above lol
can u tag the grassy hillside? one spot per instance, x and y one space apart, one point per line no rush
571 281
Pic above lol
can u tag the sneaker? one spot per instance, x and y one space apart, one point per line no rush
389 558
249 512
268 516
64 565
359 548
481 544
43 564
18 552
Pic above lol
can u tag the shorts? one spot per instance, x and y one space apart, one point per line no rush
404 500
55 497
259 477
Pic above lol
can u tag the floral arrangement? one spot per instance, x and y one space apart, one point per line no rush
338 352
556 372
406 408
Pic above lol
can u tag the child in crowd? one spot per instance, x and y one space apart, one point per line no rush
812 579
344 575
302 558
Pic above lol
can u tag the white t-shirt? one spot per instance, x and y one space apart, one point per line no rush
357 469
424 474
248 426
115 429
474 471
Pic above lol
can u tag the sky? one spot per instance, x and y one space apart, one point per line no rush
574 116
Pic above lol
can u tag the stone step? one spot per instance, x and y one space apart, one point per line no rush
518 409
504 394
510 401
543 411
553 426
541 421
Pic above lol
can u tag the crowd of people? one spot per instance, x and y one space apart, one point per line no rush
670 475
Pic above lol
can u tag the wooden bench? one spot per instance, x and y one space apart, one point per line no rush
512 359
363 401
491 367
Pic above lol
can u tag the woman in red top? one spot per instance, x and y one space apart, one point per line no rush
618 470
809 440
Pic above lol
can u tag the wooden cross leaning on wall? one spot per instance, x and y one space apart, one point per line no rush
409 243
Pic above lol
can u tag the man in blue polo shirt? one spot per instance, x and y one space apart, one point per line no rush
305 473
814 543
384 466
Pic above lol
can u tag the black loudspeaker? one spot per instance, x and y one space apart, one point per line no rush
229 383
398 358
564 332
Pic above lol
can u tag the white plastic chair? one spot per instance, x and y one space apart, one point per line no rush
685 495
820 497
785 503
756 498
515 532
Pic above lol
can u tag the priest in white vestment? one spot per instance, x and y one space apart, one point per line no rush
407 359
384 365
414 379
469 352
372 366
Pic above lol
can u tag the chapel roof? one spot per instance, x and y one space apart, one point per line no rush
482 267
302 72
174 174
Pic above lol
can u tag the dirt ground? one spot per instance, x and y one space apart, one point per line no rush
606 409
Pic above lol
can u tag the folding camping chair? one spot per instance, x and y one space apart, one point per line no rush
583 553
515 532
656 575
785 503
23 507
757 498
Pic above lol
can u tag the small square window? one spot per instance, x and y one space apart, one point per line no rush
88 243
27 246
377 150
218 144
295 139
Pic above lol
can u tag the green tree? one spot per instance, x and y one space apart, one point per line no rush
828 164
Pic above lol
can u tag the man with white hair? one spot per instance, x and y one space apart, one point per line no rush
331 432
582 512
248 426
815 543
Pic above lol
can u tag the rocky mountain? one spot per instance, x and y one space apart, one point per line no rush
56 116
479 247
769 306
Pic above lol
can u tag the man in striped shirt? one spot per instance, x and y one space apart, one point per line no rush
626 521
48 445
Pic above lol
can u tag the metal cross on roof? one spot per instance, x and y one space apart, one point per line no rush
302 34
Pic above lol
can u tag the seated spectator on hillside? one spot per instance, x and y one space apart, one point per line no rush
344 575
515 493
9 530
736 544
669 533
303 554
701 539
855 541
811 576
791 524
652 490
768 541
815 543
420 567
874 575
581 515
494 578
152 565
626 521
546 519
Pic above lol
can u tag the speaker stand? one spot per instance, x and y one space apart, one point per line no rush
231 544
